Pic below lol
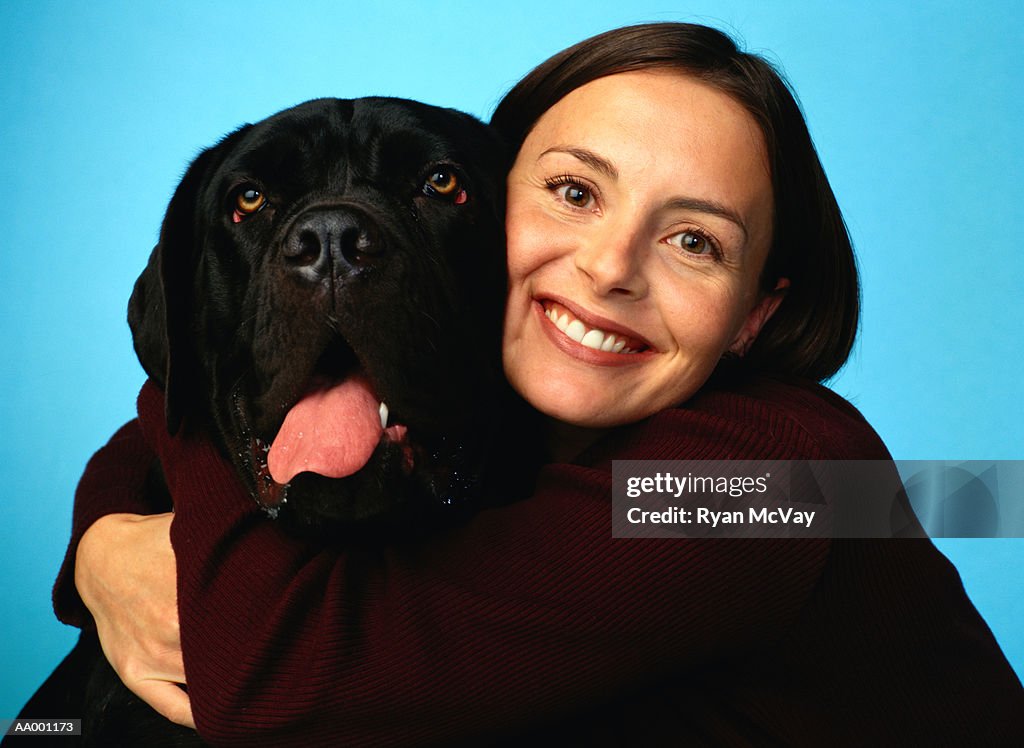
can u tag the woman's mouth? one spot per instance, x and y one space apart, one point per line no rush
590 336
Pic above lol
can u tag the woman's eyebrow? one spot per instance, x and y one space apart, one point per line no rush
697 204
709 206
590 158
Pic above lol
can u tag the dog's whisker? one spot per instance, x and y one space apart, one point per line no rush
431 318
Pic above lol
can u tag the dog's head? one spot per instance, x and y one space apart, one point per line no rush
326 297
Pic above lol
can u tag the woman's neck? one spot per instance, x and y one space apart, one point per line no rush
565 441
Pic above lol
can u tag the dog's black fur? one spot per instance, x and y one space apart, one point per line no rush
362 256
354 261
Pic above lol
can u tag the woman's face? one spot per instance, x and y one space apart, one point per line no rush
639 219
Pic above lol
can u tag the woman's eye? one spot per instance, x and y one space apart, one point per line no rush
576 195
248 201
692 243
572 191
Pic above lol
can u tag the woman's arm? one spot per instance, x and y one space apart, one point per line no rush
114 481
528 610
129 597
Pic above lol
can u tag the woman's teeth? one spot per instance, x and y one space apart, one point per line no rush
599 340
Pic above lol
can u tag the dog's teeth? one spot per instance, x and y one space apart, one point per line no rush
383 416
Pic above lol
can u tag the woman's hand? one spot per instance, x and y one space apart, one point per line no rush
125 572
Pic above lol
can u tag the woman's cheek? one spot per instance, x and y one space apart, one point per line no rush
532 235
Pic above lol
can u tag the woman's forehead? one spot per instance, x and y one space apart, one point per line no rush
664 132
663 109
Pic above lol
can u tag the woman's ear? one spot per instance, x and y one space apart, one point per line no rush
756 318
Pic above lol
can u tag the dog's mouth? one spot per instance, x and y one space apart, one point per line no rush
332 430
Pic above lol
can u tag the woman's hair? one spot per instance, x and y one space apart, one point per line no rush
812 331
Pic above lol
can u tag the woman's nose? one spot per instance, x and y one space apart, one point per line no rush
613 264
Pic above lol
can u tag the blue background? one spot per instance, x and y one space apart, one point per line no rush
917 113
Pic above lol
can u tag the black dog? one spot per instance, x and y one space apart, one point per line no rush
327 294
326 301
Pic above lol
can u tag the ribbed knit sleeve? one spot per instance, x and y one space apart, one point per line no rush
113 481
525 613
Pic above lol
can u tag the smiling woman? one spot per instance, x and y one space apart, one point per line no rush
640 210
680 280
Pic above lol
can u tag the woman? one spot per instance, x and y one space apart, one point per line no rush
666 196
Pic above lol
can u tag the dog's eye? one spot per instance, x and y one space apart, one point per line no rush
247 202
250 200
443 182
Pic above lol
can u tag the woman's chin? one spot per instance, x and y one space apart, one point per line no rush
581 408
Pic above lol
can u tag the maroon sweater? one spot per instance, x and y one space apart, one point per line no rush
532 621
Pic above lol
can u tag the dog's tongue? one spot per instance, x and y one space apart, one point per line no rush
332 431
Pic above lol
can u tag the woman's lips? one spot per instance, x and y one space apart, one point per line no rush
586 336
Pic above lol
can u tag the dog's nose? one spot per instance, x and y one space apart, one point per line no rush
331 240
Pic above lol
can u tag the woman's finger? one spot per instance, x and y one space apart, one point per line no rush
166 698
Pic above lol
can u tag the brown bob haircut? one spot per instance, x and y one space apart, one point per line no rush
812 331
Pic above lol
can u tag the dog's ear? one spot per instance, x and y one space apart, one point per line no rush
159 308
